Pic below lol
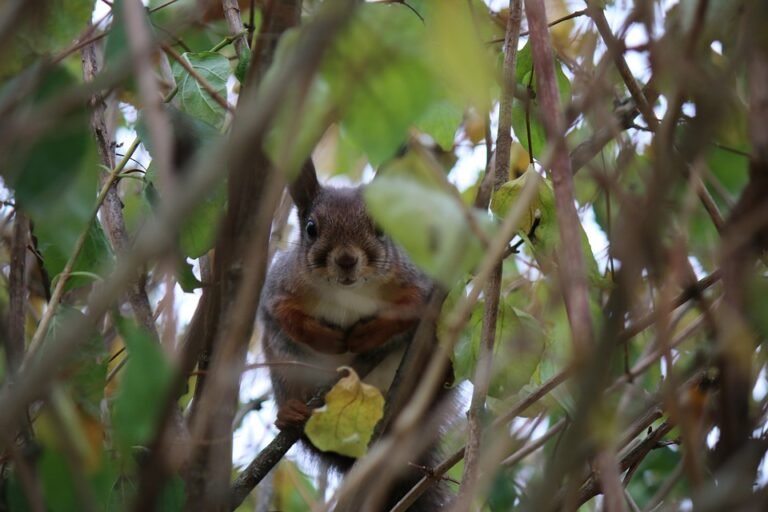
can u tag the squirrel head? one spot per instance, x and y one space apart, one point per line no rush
339 243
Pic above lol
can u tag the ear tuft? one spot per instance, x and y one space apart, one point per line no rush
305 187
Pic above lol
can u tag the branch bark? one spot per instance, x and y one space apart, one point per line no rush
484 369
112 207
572 272
17 293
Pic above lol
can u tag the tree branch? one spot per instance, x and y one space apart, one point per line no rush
17 293
572 273
484 368
112 207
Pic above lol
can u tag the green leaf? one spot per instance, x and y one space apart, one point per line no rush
185 277
58 482
241 70
302 118
503 493
56 248
440 121
193 98
378 79
192 136
173 497
523 122
144 387
60 210
519 346
542 205
652 473
428 224
730 168
87 373
49 165
456 51
291 488
198 234
43 32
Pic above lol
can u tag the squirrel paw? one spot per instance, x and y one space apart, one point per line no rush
293 413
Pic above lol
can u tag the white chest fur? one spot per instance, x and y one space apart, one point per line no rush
343 306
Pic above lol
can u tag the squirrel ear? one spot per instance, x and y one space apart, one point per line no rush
305 187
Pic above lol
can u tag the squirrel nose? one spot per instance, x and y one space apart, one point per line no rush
346 261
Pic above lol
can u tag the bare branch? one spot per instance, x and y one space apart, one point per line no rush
572 272
484 368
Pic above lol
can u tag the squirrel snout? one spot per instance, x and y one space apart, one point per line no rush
346 261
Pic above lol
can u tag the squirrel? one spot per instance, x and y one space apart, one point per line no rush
344 294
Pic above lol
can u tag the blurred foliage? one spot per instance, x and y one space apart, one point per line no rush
411 90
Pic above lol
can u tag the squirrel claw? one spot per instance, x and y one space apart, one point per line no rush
293 413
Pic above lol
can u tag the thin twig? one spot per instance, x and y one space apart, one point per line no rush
484 368
575 14
572 273
235 24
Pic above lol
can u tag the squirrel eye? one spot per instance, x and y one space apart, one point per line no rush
311 229
378 232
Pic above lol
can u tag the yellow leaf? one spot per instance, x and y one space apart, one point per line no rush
542 204
561 32
345 424
519 159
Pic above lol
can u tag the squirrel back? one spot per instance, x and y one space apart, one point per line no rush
343 295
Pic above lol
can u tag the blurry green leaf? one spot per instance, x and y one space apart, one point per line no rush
43 32
193 98
287 496
428 224
56 249
198 233
47 167
58 483
116 48
378 78
173 497
303 117
61 214
349 158
652 473
345 423
542 206
440 121
524 64
15 497
518 349
243 63
522 124
457 32
730 168
123 491
502 494
88 369
144 387
186 278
